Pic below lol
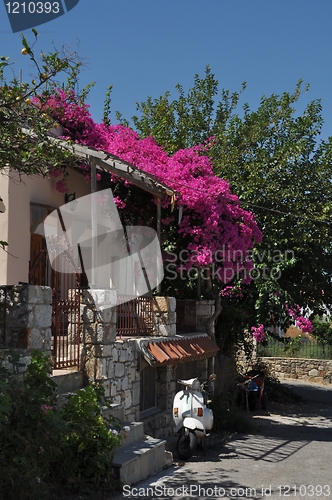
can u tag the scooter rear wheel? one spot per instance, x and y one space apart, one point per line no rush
186 444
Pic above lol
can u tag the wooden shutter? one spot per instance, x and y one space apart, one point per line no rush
37 260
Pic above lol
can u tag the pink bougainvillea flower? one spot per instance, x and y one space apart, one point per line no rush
300 321
61 186
56 172
46 408
213 222
258 333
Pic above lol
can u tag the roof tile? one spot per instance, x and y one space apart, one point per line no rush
175 350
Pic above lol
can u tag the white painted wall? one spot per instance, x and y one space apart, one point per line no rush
4 188
15 223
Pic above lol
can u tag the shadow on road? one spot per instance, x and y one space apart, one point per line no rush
285 446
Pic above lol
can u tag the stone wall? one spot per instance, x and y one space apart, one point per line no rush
164 316
117 362
310 370
160 424
25 319
204 310
122 382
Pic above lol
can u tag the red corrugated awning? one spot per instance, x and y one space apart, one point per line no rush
174 351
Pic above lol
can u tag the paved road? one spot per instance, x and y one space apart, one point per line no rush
289 457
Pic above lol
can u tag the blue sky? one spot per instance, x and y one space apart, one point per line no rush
145 47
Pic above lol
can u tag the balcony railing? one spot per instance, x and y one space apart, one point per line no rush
134 317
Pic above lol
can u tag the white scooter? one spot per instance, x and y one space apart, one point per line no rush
191 416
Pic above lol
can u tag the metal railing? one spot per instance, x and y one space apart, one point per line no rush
134 317
64 280
66 330
295 348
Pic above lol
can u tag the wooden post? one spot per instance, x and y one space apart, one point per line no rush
158 232
94 228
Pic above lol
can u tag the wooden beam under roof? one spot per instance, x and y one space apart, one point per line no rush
114 164
122 169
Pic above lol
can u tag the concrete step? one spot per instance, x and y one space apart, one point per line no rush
68 380
140 459
135 433
116 411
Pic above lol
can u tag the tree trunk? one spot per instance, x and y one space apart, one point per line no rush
210 322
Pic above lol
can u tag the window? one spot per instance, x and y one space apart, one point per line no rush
148 389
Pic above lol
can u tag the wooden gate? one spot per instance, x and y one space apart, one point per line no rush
64 279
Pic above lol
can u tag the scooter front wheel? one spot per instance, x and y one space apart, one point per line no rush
186 444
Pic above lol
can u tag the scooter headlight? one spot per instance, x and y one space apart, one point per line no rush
196 384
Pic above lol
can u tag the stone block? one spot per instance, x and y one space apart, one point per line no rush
88 314
87 334
47 294
313 373
115 354
98 334
131 417
47 336
160 304
117 399
163 330
123 355
102 351
35 339
109 333
133 373
25 360
18 338
166 318
95 368
125 383
110 297
164 304
166 330
127 399
172 304
113 390
21 316
119 369
42 316
106 315
110 369
31 294
107 388
103 298
136 393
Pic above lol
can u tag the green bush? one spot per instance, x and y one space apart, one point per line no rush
43 448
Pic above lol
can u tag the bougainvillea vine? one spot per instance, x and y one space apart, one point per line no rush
214 229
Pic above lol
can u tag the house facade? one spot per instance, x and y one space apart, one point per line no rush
135 348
